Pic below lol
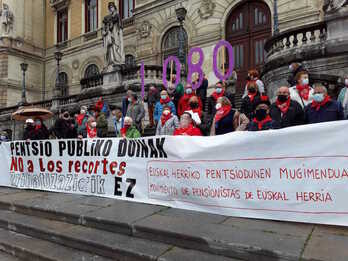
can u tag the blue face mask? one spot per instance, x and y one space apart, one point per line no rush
218 90
318 97
188 91
305 81
163 97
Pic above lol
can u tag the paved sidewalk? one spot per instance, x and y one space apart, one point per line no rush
237 238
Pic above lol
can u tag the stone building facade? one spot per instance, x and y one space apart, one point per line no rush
39 28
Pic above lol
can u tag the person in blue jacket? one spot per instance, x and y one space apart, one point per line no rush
323 108
164 101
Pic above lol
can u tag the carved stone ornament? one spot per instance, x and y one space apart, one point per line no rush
59 4
75 64
145 29
6 19
331 6
206 9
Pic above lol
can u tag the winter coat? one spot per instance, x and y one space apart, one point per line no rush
295 96
82 128
36 134
202 90
137 112
293 117
169 126
271 125
343 99
248 106
159 109
132 133
102 126
234 121
153 97
331 111
63 129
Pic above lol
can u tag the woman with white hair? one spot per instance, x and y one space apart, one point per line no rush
129 131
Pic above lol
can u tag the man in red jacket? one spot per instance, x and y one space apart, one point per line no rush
186 127
184 102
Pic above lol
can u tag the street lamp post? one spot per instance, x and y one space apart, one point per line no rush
24 67
275 18
181 14
58 56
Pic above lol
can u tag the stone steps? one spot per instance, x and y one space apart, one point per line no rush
27 248
152 232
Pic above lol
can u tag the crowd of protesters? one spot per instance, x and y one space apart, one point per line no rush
180 110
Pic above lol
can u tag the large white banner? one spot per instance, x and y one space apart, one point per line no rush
296 174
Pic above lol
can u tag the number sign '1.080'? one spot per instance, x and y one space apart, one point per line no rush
195 67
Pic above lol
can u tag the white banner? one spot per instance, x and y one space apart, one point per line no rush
295 174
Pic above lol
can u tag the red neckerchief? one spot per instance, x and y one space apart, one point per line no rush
167 100
222 112
37 127
283 107
190 131
124 130
165 118
99 105
303 91
218 95
186 96
79 118
317 105
261 123
252 96
92 132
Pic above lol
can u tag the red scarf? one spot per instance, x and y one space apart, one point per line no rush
218 95
317 105
165 118
186 96
252 96
303 91
167 100
91 132
79 118
124 130
189 131
222 112
261 123
283 107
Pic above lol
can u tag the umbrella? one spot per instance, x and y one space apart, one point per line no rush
25 113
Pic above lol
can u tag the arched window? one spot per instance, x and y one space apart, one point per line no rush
130 60
63 84
170 43
91 70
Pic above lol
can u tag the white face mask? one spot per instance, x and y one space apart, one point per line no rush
305 81
166 112
94 124
83 112
218 106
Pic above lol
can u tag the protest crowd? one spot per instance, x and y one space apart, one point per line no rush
181 110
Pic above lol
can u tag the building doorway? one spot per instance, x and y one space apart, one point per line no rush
247 29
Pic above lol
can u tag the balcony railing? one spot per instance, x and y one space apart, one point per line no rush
301 37
92 82
127 22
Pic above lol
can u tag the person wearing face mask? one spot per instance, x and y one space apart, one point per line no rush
186 127
323 108
212 100
168 123
28 129
302 92
262 120
129 131
64 127
343 98
81 120
164 101
136 111
91 129
294 68
285 111
40 131
194 105
248 102
185 100
253 77
227 119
